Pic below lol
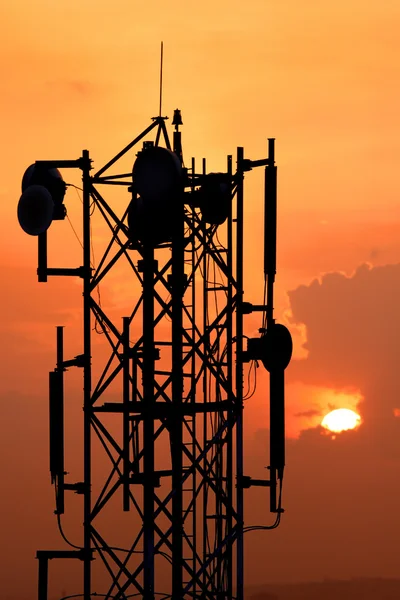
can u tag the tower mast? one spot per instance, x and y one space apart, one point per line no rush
163 398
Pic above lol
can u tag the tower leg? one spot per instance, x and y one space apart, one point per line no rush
148 421
43 577
239 378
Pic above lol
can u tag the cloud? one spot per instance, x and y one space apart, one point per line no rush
352 326
312 412
340 495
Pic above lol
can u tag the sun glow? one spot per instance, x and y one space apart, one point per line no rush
341 419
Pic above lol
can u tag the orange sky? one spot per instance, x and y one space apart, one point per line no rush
321 77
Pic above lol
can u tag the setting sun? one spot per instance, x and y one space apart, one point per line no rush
341 419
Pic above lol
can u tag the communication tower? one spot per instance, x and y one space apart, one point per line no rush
172 433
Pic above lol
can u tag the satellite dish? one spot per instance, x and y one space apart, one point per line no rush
52 180
214 198
276 347
148 223
35 209
157 174
157 193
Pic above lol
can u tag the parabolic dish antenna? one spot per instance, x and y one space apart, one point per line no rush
215 197
35 209
157 191
276 347
157 175
51 179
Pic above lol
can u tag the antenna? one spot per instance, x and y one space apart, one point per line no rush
161 73
190 406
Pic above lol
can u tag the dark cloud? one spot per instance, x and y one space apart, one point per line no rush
341 495
312 412
353 328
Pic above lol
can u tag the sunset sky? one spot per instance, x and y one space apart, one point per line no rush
323 79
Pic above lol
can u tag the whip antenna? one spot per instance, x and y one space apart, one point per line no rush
161 74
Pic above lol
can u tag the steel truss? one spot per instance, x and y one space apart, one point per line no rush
173 438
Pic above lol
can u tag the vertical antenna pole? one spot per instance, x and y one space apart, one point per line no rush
270 210
176 421
60 398
125 415
43 576
206 377
148 421
42 257
239 373
161 74
229 337
277 432
87 401
193 382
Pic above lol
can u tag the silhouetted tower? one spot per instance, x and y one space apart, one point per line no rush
166 403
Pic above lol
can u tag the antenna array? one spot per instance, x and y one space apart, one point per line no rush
166 406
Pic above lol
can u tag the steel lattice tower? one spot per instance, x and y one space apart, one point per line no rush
173 438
